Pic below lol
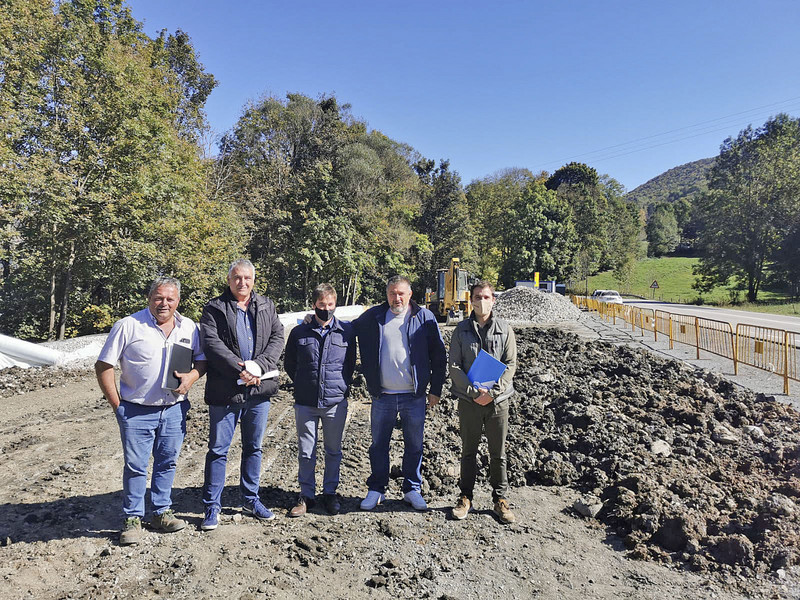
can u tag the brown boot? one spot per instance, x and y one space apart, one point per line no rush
131 532
167 522
462 508
301 508
503 512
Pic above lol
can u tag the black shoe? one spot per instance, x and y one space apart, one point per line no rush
332 503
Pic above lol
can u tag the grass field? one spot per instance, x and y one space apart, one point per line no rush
675 279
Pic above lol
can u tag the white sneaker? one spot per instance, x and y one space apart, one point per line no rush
416 500
372 500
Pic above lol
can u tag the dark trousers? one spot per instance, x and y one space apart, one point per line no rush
475 419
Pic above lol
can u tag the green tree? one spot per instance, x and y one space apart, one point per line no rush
101 166
542 235
579 186
491 201
444 219
662 231
325 200
749 209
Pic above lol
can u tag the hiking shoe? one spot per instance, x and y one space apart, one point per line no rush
258 510
503 512
332 503
462 508
131 532
415 499
211 520
372 500
301 508
167 522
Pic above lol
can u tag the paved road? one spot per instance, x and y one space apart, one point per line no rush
723 314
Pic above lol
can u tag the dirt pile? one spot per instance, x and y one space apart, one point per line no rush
683 465
529 305
687 469
16 380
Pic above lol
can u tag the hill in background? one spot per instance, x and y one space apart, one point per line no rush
671 186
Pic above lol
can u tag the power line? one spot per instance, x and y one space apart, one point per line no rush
704 124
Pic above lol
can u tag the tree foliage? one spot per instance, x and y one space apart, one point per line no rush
542 235
752 207
662 231
101 178
444 219
325 199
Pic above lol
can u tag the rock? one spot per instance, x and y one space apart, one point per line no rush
723 435
780 574
675 532
304 543
734 549
393 562
660 448
588 507
780 505
237 518
387 529
377 581
544 378
755 432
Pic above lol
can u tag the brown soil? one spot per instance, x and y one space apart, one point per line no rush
60 480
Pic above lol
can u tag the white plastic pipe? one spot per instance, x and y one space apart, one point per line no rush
14 352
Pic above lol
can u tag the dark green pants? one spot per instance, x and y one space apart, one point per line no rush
475 419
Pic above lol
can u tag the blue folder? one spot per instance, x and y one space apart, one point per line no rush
485 371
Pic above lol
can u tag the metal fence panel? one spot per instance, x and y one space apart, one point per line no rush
716 337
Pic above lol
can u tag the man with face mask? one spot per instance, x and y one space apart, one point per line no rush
482 410
320 358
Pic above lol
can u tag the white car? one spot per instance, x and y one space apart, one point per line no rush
610 297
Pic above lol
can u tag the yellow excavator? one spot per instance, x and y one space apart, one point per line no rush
450 301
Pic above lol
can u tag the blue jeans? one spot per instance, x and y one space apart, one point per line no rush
385 409
307 419
146 430
222 424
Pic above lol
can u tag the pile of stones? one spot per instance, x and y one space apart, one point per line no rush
529 305
680 463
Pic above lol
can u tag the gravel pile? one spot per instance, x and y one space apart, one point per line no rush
682 465
529 305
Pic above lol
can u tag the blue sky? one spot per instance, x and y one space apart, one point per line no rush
631 88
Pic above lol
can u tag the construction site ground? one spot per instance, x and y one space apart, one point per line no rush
60 499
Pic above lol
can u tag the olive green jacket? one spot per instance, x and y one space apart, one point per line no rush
464 347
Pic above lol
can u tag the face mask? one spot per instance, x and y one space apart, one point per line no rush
324 315
482 307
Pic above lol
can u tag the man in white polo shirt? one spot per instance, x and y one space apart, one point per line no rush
151 417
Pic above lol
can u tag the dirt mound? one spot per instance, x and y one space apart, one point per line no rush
529 305
683 465
16 380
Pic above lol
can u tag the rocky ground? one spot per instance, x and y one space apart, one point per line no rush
633 477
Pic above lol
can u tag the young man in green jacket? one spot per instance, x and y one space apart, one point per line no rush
480 409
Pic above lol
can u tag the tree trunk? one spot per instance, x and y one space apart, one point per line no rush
62 320
51 329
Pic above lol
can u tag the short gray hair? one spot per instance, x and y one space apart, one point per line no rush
397 279
164 281
241 262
